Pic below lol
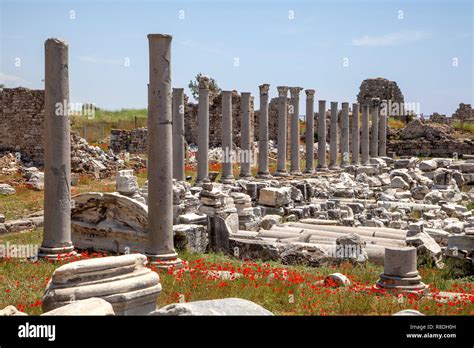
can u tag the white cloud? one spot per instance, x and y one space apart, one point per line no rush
96 60
392 39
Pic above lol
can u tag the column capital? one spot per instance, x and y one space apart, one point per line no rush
264 88
295 91
375 102
310 93
204 82
282 91
159 36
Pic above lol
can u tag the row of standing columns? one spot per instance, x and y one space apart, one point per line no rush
166 144
162 135
357 142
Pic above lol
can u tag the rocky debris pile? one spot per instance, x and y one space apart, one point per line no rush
428 139
379 88
464 113
10 163
92 159
123 281
29 222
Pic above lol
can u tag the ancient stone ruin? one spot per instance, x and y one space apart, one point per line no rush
358 203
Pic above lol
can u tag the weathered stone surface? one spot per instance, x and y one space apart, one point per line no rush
193 238
274 197
428 165
109 222
428 251
123 281
269 220
11 311
226 306
409 312
90 306
337 279
398 182
6 189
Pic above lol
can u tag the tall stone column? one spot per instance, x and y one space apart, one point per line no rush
57 154
295 130
245 146
355 144
309 131
203 131
178 135
374 136
383 131
322 136
227 176
345 135
282 126
263 171
160 248
333 137
364 140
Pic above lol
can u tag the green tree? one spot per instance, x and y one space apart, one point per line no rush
194 86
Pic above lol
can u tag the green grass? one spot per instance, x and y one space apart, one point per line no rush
466 127
282 289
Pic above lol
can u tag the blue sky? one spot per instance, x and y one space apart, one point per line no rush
294 43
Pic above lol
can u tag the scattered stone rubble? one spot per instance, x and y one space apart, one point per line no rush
309 220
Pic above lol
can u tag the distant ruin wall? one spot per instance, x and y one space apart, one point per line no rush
21 122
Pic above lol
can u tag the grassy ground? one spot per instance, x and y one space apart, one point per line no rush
284 290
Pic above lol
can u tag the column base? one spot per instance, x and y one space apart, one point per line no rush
245 175
280 174
345 164
165 261
322 169
296 173
334 167
264 176
227 180
56 253
309 171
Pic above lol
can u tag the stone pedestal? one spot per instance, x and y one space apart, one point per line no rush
57 154
345 135
355 134
295 130
322 136
400 270
123 281
227 176
333 137
203 131
245 146
178 135
282 128
374 136
309 131
160 248
263 171
383 132
364 140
